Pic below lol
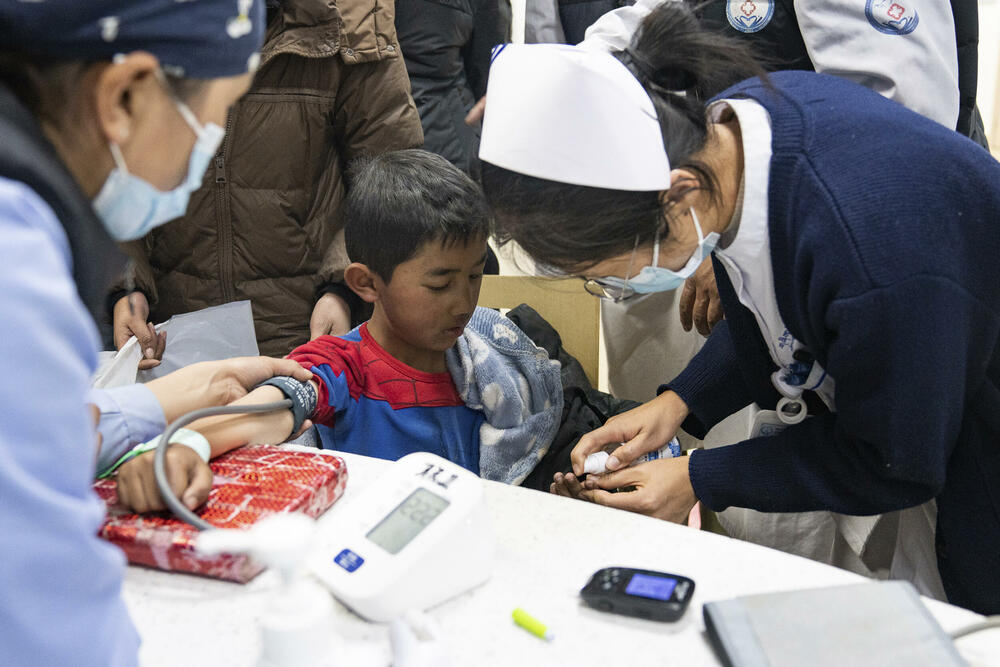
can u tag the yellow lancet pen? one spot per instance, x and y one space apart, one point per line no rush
532 624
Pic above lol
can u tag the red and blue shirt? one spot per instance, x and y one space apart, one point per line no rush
372 404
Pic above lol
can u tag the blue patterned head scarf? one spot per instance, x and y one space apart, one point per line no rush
202 39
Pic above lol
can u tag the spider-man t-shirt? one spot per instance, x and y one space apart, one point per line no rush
370 403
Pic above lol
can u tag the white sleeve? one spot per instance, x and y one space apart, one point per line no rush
902 49
614 30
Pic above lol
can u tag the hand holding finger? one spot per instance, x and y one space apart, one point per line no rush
595 441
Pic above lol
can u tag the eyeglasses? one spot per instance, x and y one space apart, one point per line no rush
612 288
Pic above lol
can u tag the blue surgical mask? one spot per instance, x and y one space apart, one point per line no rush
655 278
130 207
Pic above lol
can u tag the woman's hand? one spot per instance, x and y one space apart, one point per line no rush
700 303
643 429
662 489
212 383
189 477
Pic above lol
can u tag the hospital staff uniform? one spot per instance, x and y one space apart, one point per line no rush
922 56
53 564
881 231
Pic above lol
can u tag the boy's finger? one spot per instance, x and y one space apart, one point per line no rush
177 474
199 488
121 488
154 502
135 494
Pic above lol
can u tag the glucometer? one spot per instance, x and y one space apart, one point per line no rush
657 596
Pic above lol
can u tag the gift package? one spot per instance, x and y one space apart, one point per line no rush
249 484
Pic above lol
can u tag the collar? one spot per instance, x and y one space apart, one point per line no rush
746 235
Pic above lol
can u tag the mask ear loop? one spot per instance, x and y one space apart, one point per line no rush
182 108
628 272
697 226
116 155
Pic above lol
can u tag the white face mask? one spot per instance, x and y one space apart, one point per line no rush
130 207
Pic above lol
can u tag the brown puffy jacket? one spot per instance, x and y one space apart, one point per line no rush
265 224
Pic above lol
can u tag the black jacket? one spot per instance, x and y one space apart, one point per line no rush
446 46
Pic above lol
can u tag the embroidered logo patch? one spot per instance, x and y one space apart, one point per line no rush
749 15
892 17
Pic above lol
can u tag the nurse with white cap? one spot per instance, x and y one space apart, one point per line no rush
854 249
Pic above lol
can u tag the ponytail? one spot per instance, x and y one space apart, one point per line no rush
570 228
681 65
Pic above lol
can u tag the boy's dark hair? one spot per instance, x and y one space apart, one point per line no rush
398 201
570 228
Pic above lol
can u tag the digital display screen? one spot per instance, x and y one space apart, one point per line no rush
657 588
407 520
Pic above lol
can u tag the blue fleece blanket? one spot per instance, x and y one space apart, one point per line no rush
497 369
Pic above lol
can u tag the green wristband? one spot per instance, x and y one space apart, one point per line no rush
184 436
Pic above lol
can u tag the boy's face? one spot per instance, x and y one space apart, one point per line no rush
430 298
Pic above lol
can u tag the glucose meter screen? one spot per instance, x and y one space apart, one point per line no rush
407 520
657 588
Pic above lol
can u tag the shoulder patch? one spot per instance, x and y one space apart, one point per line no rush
749 15
892 17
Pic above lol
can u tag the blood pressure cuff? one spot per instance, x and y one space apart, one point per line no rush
302 395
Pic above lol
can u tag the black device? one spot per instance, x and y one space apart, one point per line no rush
657 596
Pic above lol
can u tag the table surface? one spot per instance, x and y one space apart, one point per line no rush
546 549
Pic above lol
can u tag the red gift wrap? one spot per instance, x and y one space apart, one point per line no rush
249 483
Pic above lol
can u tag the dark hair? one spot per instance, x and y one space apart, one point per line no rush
398 201
572 227
45 85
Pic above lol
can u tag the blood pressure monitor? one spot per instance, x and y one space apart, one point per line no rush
418 536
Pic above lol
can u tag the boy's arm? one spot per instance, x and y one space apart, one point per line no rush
225 432
189 476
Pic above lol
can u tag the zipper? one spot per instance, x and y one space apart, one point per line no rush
223 221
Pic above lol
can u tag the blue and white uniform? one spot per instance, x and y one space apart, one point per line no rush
57 566
904 50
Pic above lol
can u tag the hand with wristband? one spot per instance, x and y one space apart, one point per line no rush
187 466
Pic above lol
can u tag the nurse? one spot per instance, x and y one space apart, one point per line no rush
109 113
854 246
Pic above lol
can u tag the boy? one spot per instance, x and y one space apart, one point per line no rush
416 231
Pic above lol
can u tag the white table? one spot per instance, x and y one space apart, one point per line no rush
547 547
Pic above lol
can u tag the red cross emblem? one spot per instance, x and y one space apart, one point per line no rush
896 11
748 8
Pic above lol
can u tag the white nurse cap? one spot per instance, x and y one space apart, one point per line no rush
570 115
